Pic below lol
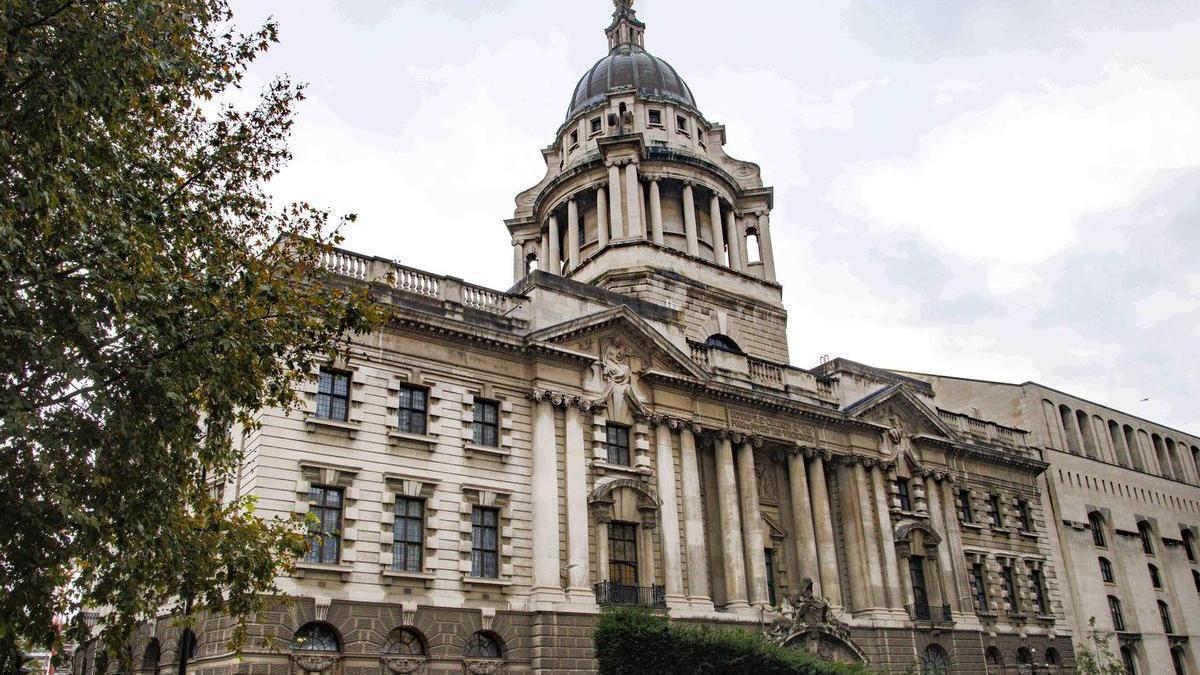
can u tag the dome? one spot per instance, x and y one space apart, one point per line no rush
628 66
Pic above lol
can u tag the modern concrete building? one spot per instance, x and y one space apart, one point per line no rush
1123 497
623 426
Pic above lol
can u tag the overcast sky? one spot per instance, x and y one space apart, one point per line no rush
1005 190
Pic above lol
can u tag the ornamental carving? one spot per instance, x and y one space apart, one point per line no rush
768 484
618 383
807 622
403 665
482 666
314 663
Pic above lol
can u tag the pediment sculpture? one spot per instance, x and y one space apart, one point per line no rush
807 622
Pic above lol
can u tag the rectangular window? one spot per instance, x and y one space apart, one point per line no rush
408 534
964 507
902 494
1038 582
916 577
333 394
486 426
574 139
622 554
325 535
1114 609
1146 535
1010 589
617 443
1164 613
655 118
597 125
769 557
1096 521
1155 579
979 587
1026 515
414 409
1106 571
681 124
485 542
997 514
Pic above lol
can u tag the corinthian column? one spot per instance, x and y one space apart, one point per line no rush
601 217
664 461
572 234
656 226
891 572
693 520
946 568
731 528
860 597
689 220
818 494
633 201
615 219
756 560
577 521
866 507
554 249
802 523
546 584
714 213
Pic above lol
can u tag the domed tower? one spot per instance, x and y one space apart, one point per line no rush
640 198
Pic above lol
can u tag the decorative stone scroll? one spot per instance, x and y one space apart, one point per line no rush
758 424
807 622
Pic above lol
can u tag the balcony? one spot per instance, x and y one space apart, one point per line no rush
922 611
609 593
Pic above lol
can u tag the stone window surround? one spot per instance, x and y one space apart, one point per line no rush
425 489
322 473
434 412
354 413
505 410
491 497
639 447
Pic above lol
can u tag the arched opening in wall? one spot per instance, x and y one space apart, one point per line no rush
1118 443
1164 613
993 657
1053 659
1173 456
1135 452
1196 460
188 645
316 636
150 657
1096 523
1024 659
1160 454
1068 427
1106 571
531 263
483 652
1146 533
1085 433
404 652
722 342
935 660
1115 613
1129 660
753 253
624 512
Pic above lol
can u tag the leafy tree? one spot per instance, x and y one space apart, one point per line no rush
152 299
1096 657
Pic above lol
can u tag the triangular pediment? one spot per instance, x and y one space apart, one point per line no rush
647 348
897 407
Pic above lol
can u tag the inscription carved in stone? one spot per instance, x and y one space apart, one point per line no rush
759 424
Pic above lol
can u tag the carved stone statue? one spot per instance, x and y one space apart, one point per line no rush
619 383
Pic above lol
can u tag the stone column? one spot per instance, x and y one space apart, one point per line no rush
602 550
756 560
544 252
554 254
689 220
735 242
818 494
633 203
577 520
718 224
866 508
572 234
656 226
546 585
731 528
937 521
647 576
891 571
668 528
693 520
615 220
743 252
518 261
765 252
860 597
602 217
802 523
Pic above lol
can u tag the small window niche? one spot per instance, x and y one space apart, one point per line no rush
654 117
574 139
681 124
596 125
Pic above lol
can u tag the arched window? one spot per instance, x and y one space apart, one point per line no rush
935 661
1196 580
753 252
404 642
1129 660
1155 578
1106 571
1164 613
1053 659
150 656
531 263
1024 658
1096 522
722 342
188 643
1147 535
483 646
1114 610
993 657
1189 544
316 637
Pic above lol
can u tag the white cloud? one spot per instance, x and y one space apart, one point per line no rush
1164 304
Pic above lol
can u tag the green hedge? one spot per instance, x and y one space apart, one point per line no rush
632 641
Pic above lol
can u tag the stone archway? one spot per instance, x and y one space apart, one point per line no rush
829 644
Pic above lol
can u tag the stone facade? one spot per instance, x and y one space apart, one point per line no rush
622 426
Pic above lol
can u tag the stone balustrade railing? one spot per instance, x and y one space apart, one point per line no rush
984 430
417 282
761 372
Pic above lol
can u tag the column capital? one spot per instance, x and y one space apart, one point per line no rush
564 400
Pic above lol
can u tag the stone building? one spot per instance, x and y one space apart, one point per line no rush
623 426
1125 507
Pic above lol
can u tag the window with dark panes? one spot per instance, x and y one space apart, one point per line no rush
1164 613
622 554
1155 579
597 125
1026 515
333 394
325 535
1188 544
486 425
902 494
997 512
1010 588
1196 580
916 577
769 557
1114 610
656 117
1038 584
979 587
1096 522
485 542
617 443
1106 571
1128 660
408 534
964 507
1146 535
414 410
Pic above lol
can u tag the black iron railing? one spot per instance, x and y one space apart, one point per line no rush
921 610
609 593
946 615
